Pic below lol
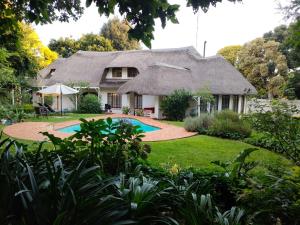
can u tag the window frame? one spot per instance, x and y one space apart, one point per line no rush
136 72
138 101
114 100
225 107
114 71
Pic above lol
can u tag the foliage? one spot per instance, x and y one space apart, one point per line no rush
89 104
279 125
141 16
292 89
263 64
66 47
13 113
125 110
237 170
198 124
228 124
117 32
34 47
275 200
175 105
7 77
139 112
105 141
230 53
287 37
28 108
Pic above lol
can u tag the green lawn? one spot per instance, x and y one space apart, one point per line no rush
58 118
176 123
199 151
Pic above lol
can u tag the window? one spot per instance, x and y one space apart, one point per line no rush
117 72
114 100
52 71
215 104
236 103
243 104
132 72
138 101
225 101
203 106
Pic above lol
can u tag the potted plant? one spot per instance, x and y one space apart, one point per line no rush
126 110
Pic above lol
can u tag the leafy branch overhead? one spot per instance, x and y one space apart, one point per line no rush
140 14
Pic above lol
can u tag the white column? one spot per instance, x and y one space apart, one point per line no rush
220 103
156 107
198 106
246 108
208 107
76 102
240 104
43 99
231 102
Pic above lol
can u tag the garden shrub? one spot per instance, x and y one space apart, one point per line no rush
175 105
198 124
28 108
228 124
89 104
280 126
126 110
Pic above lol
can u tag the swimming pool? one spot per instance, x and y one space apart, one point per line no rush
144 127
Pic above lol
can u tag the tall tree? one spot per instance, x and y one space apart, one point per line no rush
230 53
140 14
117 31
32 44
287 37
66 47
264 66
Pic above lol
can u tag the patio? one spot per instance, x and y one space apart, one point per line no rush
32 130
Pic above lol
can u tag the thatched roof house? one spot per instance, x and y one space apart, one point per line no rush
147 73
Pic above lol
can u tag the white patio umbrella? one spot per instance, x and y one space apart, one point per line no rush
58 90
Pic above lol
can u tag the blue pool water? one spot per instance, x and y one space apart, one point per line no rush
144 127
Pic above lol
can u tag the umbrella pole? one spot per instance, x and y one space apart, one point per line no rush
61 112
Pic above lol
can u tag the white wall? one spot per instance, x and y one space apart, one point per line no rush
265 104
148 101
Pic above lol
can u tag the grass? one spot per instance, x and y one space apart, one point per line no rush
58 118
199 151
176 123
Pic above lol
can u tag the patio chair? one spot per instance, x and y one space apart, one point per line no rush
107 108
49 108
41 111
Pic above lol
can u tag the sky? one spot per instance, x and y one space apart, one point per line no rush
227 24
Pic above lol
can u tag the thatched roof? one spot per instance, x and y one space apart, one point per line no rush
160 71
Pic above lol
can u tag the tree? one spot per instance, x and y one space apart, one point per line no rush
264 66
7 77
287 37
66 47
94 42
140 14
35 48
292 89
117 31
230 53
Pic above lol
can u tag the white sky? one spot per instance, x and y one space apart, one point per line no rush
227 24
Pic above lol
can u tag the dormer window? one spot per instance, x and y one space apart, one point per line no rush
117 72
52 71
132 72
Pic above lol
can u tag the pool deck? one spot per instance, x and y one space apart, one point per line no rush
31 130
